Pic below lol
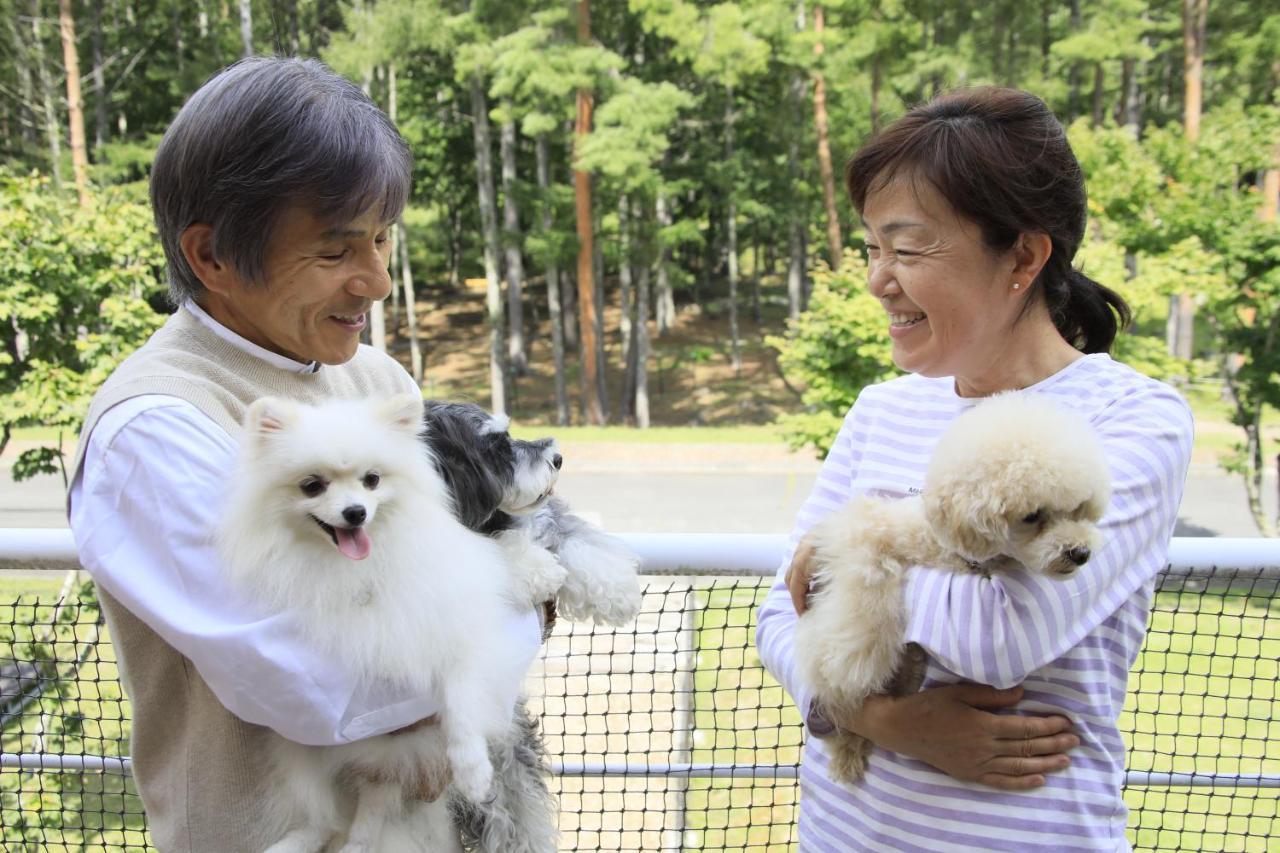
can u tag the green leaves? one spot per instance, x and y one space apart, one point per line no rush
74 285
839 345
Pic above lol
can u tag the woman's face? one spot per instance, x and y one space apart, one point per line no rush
950 300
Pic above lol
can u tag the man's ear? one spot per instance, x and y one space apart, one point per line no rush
403 411
196 243
268 416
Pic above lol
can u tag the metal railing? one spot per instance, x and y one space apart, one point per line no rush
669 736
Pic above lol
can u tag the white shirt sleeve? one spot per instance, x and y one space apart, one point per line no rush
143 512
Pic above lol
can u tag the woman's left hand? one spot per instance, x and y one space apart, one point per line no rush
800 575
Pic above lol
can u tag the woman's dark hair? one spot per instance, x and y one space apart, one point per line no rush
259 136
1001 159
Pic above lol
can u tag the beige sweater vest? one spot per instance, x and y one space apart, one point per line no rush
200 770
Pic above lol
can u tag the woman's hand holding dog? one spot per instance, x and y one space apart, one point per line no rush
953 729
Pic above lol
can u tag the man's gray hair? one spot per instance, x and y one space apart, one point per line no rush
260 136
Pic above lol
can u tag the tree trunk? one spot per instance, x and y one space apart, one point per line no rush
1194 16
1194 13
99 84
834 242
1046 37
642 349
796 220
291 11
731 235
52 133
877 63
517 353
553 281
1128 83
246 28
75 105
1271 188
626 299
665 304
1099 81
410 305
492 245
1073 76
592 402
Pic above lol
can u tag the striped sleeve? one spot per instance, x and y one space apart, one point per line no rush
999 630
776 622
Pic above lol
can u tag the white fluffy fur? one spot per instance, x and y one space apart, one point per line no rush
1005 459
424 610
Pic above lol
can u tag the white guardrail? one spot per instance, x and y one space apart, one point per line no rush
704 555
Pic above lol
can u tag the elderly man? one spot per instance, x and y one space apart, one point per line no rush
273 191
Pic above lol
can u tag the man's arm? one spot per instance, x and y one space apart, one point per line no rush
143 513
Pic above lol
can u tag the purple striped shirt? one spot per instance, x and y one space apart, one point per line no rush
1070 642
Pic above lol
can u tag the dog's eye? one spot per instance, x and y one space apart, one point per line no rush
1033 518
371 480
313 487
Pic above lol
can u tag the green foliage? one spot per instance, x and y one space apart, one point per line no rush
834 349
74 290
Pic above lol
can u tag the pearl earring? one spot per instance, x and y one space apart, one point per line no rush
1016 285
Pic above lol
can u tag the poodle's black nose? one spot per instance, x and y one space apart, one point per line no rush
354 515
1079 556
557 461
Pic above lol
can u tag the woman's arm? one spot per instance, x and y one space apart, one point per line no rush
999 630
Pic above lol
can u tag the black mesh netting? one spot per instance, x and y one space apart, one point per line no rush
683 689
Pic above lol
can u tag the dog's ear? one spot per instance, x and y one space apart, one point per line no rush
496 424
959 522
268 416
403 412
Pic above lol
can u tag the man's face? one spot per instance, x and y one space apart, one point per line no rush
319 282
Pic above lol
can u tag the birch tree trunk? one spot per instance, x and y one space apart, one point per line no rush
665 303
517 353
75 105
554 308
796 222
642 349
246 28
731 236
52 133
99 84
492 245
410 305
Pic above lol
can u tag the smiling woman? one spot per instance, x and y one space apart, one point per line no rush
974 206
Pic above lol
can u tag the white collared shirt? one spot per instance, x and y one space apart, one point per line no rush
142 513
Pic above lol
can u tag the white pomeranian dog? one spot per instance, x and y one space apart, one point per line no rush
338 518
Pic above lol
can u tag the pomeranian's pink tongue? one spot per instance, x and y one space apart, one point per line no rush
353 542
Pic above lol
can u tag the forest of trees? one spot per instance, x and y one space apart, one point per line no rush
656 154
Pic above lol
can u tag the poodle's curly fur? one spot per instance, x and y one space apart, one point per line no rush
1015 483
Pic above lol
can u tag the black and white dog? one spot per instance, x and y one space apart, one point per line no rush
503 487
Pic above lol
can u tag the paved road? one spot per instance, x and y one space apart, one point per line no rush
695 488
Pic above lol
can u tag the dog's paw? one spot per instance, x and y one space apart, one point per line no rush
472 773
849 756
544 575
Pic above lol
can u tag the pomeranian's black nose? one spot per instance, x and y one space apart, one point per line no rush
354 515
1079 556
557 461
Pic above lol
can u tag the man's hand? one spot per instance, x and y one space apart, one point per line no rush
952 728
800 574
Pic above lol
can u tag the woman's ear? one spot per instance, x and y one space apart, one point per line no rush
1030 254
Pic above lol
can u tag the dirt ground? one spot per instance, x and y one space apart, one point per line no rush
691 377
